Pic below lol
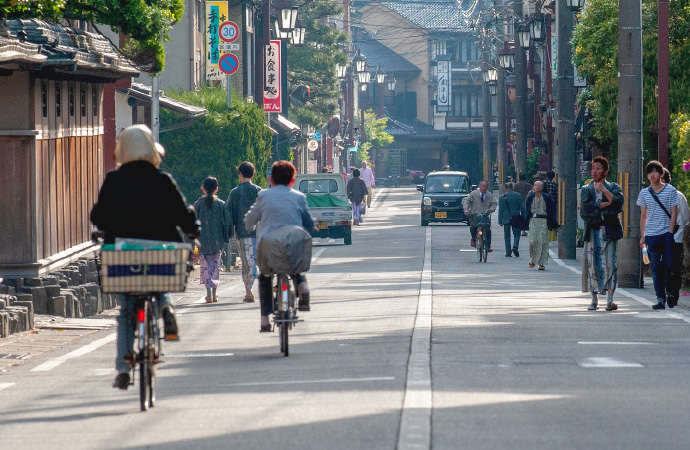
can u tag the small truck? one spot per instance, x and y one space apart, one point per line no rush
327 201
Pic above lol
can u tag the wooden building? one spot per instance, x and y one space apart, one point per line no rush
51 141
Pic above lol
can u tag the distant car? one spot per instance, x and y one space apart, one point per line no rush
443 193
417 175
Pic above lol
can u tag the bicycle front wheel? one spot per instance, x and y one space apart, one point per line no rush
485 249
284 337
480 244
144 358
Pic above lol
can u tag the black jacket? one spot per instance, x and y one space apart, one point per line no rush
140 201
596 217
551 215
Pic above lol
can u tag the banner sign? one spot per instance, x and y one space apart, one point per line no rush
444 87
272 78
216 15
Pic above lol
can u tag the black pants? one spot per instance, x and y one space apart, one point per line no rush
677 275
487 233
266 292
507 228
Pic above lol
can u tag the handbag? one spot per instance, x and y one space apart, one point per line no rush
651 191
362 208
516 221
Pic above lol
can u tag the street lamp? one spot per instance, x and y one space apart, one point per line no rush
360 64
288 15
380 77
536 28
341 71
363 77
280 33
575 5
493 88
391 85
492 75
524 35
298 33
506 58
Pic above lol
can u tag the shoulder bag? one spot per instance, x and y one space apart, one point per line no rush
675 226
516 221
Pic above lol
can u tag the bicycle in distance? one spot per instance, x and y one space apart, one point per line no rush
483 224
145 270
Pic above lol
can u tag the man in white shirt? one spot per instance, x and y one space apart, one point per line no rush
658 212
368 176
682 220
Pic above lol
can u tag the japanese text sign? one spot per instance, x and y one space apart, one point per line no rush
272 77
216 14
444 87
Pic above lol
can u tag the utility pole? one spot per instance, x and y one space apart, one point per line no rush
486 124
520 112
501 110
155 107
565 130
662 81
630 138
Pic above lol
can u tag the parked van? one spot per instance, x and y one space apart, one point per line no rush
327 201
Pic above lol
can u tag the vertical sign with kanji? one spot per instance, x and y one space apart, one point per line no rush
216 14
272 78
444 87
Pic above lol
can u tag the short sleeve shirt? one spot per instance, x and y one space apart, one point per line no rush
658 222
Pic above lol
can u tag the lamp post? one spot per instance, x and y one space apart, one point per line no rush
486 121
520 111
380 81
506 62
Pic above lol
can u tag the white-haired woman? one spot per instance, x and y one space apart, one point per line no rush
139 201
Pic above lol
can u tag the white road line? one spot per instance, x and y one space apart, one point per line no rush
376 197
606 363
5 385
331 380
317 254
197 355
53 363
415 422
614 343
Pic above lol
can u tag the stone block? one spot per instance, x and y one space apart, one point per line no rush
23 297
4 289
95 302
92 277
50 280
33 282
16 283
4 324
64 283
58 306
14 324
52 291
69 301
3 304
39 298
30 310
21 314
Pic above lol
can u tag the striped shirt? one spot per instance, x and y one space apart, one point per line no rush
658 222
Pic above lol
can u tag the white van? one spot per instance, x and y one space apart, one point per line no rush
327 201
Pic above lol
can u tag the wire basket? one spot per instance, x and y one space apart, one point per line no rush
144 271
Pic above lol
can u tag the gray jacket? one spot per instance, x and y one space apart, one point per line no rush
276 207
510 204
215 225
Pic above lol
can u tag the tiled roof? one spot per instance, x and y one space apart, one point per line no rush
415 129
433 16
379 55
60 47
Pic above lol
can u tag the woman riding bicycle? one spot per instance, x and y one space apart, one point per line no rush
274 208
139 201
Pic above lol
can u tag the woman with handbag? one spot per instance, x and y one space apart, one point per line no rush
356 191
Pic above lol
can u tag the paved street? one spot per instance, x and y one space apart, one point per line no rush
411 343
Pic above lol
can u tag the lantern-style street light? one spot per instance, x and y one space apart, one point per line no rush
298 33
391 85
575 5
524 35
341 70
288 15
364 77
360 63
506 58
492 74
380 77
493 88
536 28
280 33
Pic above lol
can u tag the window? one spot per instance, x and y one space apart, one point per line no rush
58 98
71 98
44 97
468 51
82 98
94 100
467 101
476 103
446 184
318 186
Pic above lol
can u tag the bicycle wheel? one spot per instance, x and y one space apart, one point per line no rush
479 242
144 361
151 321
485 249
284 337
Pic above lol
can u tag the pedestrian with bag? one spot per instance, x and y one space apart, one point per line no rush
523 188
600 203
511 213
551 188
658 215
240 200
215 233
356 191
678 247
541 217
368 177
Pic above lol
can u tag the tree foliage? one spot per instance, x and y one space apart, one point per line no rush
146 22
216 143
376 137
596 57
314 63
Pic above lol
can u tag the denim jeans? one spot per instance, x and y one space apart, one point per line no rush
506 235
660 249
126 325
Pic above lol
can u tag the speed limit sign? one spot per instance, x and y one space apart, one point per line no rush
312 145
228 31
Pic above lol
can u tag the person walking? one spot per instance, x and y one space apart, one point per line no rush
215 233
658 214
479 201
523 188
600 203
678 249
541 217
141 202
511 211
240 200
368 176
356 191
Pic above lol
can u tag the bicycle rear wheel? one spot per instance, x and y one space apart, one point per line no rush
152 325
479 242
144 361
285 347
485 249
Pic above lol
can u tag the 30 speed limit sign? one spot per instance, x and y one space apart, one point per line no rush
228 31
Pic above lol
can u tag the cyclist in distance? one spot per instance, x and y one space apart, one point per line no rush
479 201
275 208
139 201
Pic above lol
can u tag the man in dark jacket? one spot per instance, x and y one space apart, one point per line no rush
523 188
240 200
511 210
600 203
540 217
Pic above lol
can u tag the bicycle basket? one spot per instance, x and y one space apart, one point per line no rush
144 266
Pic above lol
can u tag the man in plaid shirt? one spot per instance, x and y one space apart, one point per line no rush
551 187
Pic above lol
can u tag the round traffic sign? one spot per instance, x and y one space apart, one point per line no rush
228 63
228 31
312 145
